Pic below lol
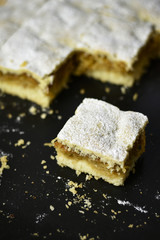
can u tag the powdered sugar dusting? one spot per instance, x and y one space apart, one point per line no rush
127 203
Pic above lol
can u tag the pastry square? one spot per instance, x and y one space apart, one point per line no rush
102 141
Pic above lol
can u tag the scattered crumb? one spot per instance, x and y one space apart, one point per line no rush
50 112
104 195
135 96
22 114
9 115
43 115
48 144
52 157
2 107
130 226
82 91
47 172
123 90
27 144
45 167
19 143
43 162
51 208
35 234
33 110
59 117
4 165
107 90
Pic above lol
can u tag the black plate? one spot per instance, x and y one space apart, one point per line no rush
28 193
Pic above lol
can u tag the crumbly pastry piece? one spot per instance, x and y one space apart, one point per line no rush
78 37
102 140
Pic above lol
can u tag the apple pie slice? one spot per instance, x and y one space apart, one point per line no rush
102 140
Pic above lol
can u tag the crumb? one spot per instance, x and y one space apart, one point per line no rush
135 96
2 107
95 212
69 203
47 172
59 117
48 144
22 114
35 234
73 190
51 208
27 144
43 162
9 115
123 90
57 111
130 226
104 195
107 90
50 112
4 165
19 143
43 115
113 212
33 110
45 167
80 211
82 91
52 157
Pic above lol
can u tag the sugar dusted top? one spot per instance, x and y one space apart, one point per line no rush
103 129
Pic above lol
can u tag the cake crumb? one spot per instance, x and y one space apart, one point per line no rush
135 96
33 110
123 90
43 115
51 208
4 165
82 91
35 234
107 90
52 157
27 144
9 115
59 117
130 226
19 143
50 112
48 144
43 162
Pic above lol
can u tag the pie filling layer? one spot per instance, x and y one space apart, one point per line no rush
114 174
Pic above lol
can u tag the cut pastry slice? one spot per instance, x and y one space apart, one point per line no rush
69 37
102 140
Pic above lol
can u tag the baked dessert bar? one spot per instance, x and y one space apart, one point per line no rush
75 37
102 141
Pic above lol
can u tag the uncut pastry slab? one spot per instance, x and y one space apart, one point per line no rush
102 141
65 37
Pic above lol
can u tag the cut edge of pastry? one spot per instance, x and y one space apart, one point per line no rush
42 91
102 67
111 173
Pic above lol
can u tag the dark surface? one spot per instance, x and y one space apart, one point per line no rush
27 191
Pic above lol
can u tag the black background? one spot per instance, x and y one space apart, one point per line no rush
27 191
